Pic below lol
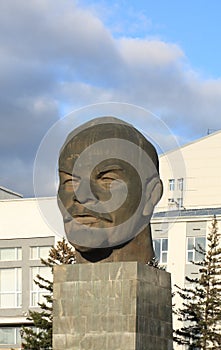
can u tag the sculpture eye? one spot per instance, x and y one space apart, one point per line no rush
108 176
71 184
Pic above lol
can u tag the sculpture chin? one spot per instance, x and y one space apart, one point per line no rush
92 254
83 249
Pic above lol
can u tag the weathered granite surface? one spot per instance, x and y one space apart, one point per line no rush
112 306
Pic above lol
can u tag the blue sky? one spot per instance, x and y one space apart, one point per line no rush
60 55
193 25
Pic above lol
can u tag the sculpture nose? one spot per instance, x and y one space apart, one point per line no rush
83 193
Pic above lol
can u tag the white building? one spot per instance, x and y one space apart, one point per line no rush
192 196
191 177
24 238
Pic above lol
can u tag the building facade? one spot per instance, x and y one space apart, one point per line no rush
24 238
191 177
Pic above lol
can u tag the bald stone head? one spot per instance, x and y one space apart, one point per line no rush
109 185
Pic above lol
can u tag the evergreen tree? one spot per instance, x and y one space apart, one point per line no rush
39 336
201 307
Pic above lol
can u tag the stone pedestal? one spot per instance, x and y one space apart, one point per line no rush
112 306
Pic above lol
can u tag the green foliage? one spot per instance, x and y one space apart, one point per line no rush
39 336
201 310
154 262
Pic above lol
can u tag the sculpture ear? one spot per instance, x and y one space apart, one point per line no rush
154 191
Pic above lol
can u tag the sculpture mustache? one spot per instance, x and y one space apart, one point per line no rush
76 211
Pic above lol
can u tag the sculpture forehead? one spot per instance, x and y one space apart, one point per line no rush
79 139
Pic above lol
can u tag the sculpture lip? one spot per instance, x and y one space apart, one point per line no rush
79 211
80 217
86 219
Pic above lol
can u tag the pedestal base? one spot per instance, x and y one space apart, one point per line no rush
112 306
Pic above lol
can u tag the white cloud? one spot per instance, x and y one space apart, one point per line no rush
146 52
54 53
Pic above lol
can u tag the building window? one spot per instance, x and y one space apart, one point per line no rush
37 293
10 336
37 253
10 254
194 243
180 184
161 249
179 202
171 184
10 287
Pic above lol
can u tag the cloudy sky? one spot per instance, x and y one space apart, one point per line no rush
59 55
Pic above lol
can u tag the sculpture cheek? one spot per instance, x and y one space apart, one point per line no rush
100 192
65 198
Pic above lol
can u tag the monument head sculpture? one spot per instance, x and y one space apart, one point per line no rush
109 186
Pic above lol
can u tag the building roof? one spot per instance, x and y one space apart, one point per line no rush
189 212
185 145
5 193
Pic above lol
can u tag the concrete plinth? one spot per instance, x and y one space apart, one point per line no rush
112 306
